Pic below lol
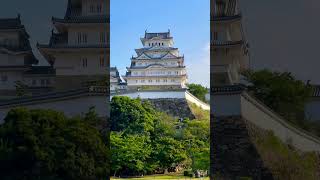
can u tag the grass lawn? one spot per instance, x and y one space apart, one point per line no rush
163 177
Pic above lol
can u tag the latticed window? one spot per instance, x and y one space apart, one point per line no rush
82 37
84 62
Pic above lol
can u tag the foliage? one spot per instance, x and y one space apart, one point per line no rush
130 115
282 93
44 144
145 141
129 153
21 89
284 161
198 91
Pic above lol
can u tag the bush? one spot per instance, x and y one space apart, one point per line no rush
188 173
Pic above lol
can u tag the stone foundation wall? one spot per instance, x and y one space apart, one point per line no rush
233 154
175 107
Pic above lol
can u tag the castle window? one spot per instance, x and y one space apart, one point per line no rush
165 80
150 81
177 72
172 80
136 81
162 44
149 44
99 8
142 81
157 80
84 62
82 37
169 72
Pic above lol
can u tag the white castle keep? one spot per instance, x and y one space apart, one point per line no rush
157 65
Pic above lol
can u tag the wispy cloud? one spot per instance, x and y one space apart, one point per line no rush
198 66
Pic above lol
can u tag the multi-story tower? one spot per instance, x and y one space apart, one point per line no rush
157 65
229 54
79 48
17 60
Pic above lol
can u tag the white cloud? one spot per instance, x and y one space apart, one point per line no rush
198 66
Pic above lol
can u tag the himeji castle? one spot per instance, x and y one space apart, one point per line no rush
157 65
78 48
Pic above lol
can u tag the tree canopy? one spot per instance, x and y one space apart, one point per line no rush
44 144
146 141
284 94
198 91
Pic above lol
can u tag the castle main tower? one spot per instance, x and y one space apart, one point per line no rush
229 54
157 65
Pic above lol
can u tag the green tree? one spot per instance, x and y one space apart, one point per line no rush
196 136
169 152
130 154
198 91
280 91
131 115
44 144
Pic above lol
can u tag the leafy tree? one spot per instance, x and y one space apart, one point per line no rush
168 152
198 91
280 91
130 115
145 140
130 153
196 135
44 144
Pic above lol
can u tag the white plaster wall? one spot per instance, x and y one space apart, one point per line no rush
312 110
155 95
196 101
133 81
71 107
12 76
9 37
261 116
93 34
226 105
11 60
86 7
71 64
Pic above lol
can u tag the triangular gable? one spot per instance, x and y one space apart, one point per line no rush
143 56
155 66
169 56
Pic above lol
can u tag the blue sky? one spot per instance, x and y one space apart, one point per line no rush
188 21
